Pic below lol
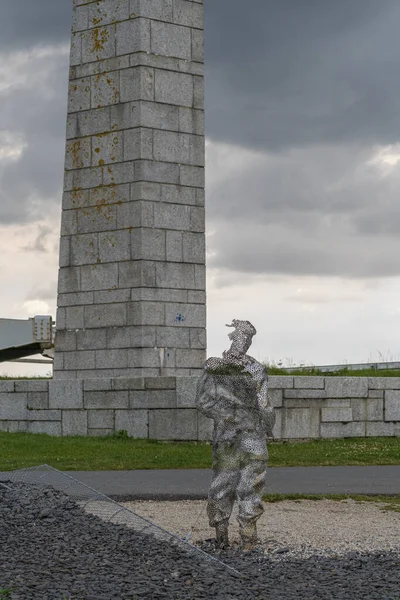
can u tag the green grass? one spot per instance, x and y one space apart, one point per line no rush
389 503
20 450
273 370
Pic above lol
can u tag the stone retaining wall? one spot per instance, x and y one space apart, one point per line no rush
164 407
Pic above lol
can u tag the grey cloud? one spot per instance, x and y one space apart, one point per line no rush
293 217
45 294
28 23
35 111
39 244
290 73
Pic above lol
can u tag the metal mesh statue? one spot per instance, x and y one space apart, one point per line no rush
233 391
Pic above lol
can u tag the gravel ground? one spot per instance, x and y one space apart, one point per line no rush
51 549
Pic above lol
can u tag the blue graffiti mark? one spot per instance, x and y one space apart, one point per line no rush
179 318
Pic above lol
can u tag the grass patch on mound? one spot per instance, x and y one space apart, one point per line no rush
115 453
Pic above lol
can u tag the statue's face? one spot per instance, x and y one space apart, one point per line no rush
241 342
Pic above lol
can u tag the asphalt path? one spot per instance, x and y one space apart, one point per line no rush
193 484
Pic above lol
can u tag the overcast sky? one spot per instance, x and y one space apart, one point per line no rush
303 171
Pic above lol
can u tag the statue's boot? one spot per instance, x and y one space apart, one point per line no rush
221 533
248 534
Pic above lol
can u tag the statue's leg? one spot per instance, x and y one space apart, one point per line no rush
221 497
253 471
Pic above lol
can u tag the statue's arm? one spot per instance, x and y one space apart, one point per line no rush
206 396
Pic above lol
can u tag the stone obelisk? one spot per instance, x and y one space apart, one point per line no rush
131 291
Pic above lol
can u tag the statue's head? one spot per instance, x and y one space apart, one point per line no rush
241 337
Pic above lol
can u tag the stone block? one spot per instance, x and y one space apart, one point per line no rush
160 383
47 427
112 359
106 12
198 46
66 394
370 409
134 422
107 148
189 315
9 386
157 172
38 400
91 339
174 246
194 247
190 358
118 173
171 40
79 360
159 295
306 394
175 275
197 219
97 218
186 392
346 387
170 424
146 313
105 315
148 244
138 144
343 430
98 385
198 92
79 95
189 14
276 397
197 297
339 415
333 402
78 153
106 400
205 428
100 419
133 36
309 382
129 383
172 216
65 252
172 88
152 399
43 415
380 429
75 54
173 337
112 296
80 18
137 83
74 422
105 89
300 423
277 430
198 337
74 317
145 357
75 299
191 121
392 405
178 194
135 214
99 277
91 122
114 246
28 385
384 383
131 337
84 249
192 176
160 10
158 116
375 393
86 178
13 407
98 43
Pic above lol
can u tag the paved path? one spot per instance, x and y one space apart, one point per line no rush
193 484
